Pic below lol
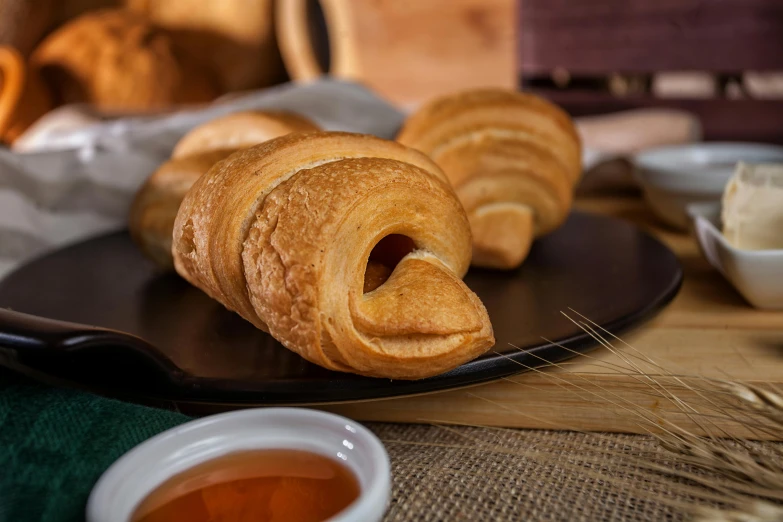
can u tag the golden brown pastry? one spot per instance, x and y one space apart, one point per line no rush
119 61
155 206
241 129
513 159
282 234
23 98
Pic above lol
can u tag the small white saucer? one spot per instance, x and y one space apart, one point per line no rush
136 474
756 274
676 176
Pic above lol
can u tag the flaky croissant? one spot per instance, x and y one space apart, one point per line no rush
297 233
155 206
513 159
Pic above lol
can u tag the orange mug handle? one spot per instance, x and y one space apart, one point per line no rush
23 96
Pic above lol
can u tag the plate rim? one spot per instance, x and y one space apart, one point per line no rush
478 371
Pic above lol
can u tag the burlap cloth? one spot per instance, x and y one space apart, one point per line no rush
440 474
455 473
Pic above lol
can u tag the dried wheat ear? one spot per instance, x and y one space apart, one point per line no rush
714 475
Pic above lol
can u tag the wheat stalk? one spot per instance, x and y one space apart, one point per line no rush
723 478
752 511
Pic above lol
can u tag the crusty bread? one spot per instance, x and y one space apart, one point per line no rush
119 61
285 233
513 159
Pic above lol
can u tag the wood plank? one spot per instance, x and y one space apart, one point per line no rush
589 396
604 36
721 119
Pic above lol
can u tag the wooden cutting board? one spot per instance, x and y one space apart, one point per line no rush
406 51
707 331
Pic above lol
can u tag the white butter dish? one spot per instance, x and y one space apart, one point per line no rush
756 274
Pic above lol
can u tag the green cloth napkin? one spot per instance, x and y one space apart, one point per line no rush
56 443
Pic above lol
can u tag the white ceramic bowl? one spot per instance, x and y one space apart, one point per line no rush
756 274
674 177
136 474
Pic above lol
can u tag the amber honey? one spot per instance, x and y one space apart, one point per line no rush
254 486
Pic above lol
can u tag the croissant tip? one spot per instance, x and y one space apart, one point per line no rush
502 235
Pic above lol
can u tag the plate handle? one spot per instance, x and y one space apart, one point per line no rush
100 355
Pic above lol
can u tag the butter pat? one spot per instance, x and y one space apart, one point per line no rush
752 213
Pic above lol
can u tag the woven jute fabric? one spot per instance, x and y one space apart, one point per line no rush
463 473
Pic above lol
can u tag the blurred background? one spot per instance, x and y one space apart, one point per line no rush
721 60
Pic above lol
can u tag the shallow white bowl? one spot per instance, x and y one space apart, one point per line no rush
136 474
674 177
756 274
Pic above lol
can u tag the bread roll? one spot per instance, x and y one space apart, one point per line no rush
119 61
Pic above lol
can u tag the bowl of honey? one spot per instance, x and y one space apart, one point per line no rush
260 465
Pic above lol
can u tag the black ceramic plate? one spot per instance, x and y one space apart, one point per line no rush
152 336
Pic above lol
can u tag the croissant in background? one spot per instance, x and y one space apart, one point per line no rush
298 235
513 158
240 130
155 206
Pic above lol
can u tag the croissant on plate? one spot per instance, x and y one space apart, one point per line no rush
348 249
155 206
513 158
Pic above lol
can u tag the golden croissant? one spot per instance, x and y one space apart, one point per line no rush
513 158
155 206
348 249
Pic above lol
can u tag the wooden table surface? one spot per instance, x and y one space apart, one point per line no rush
707 331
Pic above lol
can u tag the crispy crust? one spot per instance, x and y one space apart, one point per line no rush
281 233
510 156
